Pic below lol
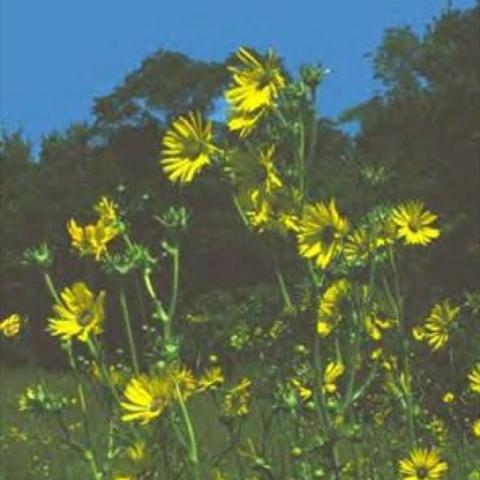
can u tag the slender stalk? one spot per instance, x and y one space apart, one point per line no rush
159 309
287 301
405 346
313 136
175 253
239 209
103 370
51 287
193 451
84 452
128 330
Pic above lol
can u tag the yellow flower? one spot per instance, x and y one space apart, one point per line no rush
415 224
116 376
211 379
376 322
256 85
304 392
187 147
107 210
255 172
333 371
321 233
79 314
10 326
476 428
422 464
236 402
92 239
439 429
184 378
449 397
474 377
138 454
244 123
435 330
331 306
147 397
275 212
358 246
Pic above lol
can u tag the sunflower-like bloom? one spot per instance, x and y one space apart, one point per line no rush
256 85
474 378
211 379
422 464
321 233
333 371
91 239
237 399
415 223
359 246
276 212
187 147
255 172
436 329
10 326
146 397
185 380
331 306
79 314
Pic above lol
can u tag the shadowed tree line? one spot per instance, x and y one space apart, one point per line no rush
418 138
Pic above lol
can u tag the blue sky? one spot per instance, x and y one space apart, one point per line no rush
57 55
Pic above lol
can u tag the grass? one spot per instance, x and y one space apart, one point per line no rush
29 449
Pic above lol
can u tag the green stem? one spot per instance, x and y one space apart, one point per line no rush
319 394
103 370
405 346
175 253
283 288
81 394
84 452
128 330
51 287
158 306
239 209
193 451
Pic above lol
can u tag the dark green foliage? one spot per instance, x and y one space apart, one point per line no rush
418 139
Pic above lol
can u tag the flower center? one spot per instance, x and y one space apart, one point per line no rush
422 472
414 224
85 318
327 234
192 148
156 404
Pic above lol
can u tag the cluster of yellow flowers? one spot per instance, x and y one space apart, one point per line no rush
322 235
323 232
93 239
147 396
